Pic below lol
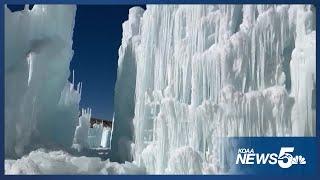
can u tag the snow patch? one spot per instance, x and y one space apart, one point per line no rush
60 162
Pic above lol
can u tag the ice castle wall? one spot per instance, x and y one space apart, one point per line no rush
202 72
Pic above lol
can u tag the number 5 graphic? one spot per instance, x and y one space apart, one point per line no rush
285 158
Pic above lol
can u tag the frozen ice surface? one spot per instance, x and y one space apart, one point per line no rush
59 162
41 106
189 74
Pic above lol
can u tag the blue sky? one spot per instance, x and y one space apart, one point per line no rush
96 40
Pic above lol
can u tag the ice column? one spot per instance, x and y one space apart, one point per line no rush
124 100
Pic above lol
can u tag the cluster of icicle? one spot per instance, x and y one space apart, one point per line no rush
203 72
71 94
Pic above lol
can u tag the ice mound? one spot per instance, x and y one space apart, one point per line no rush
190 74
41 106
59 162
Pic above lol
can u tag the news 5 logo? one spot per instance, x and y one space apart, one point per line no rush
284 159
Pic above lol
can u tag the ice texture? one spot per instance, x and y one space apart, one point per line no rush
41 106
60 162
190 74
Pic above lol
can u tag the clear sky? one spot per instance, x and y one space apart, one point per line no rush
96 40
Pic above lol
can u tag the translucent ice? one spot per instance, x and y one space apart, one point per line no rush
39 100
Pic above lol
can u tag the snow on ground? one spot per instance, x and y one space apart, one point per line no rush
60 162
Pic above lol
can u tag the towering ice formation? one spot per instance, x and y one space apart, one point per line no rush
124 100
191 74
41 106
